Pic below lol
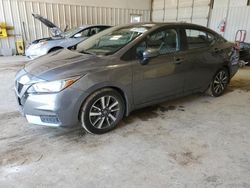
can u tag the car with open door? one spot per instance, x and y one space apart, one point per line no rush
122 69
59 38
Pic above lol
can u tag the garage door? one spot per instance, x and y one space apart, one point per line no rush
192 11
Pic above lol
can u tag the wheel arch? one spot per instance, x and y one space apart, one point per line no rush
121 92
228 70
116 88
55 48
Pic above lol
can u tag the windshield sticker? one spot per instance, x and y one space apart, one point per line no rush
115 37
139 29
148 25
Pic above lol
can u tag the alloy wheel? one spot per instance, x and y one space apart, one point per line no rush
104 112
220 82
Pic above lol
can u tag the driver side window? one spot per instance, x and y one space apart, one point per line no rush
164 41
84 33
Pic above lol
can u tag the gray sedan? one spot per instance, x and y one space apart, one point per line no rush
122 69
59 38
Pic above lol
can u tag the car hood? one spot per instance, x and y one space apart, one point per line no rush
55 30
63 64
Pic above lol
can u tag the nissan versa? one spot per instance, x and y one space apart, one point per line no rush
122 69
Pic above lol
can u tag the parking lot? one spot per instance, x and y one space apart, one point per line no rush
196 141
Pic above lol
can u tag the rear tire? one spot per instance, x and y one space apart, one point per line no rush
102 111
219 83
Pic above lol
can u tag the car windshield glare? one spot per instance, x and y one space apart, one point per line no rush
110 40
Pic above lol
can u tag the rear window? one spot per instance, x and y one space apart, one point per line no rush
198 38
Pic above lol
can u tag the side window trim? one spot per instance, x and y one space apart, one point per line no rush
131 55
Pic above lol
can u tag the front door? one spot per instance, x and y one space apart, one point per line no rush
162 75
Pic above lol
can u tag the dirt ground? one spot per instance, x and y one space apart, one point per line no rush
193 142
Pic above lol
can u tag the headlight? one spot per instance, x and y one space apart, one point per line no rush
52 86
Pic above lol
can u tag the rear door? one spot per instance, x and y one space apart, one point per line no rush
201 58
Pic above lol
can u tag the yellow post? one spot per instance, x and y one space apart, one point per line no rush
20 46
3 30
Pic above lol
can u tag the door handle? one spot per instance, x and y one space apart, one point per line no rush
178 60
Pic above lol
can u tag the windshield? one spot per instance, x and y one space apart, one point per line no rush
111 40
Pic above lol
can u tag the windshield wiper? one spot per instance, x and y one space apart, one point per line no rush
86 52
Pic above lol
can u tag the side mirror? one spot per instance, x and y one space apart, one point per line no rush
147 54
78 35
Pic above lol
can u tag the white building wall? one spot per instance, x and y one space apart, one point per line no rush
232 3
129 4
192 11
236 13
73 13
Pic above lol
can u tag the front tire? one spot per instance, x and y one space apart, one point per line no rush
102 111
219 83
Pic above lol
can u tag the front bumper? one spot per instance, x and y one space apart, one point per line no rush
52 121
55 109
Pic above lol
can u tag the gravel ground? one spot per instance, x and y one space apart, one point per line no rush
193 142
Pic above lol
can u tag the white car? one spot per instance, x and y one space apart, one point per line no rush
59 38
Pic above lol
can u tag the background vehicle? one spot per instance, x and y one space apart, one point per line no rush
59 38
122 69
244 48
245 52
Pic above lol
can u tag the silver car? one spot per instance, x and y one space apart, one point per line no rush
59 38
122 69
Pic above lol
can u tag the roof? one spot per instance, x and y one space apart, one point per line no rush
165 23
91 25
160 24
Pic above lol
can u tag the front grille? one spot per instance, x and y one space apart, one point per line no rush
19 87
21 96
19 101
